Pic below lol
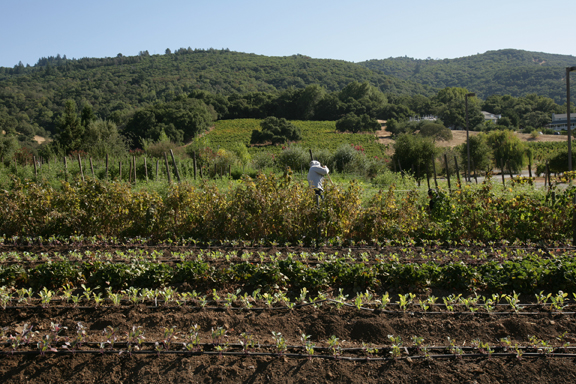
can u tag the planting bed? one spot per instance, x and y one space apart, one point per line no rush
240 322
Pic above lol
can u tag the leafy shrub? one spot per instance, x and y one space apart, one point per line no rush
276 131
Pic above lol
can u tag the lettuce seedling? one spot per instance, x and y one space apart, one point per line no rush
280 341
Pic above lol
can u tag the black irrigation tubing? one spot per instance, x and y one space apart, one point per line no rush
290 355
377 311
77 247
382 349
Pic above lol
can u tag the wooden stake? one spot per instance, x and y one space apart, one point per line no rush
35 169
167 168
194 162
92 168
502 171
134 160
447 173
81 170
434 168
457 172
175 166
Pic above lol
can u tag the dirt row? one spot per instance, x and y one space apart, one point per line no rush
351 327
347 324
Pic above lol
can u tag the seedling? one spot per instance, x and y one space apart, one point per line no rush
114 297
558 301
384 301
88 291
334 344
395 351
217 335
280 342
506 343
405 300
541 298
369 350
221 348
45 345
308 345
514 301
45 297
417 340
247 342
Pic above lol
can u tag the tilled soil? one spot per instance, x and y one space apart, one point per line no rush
351 326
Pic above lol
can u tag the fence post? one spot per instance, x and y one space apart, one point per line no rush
447 173
574 220
194 162
106 166
175 166
475 173
65 169
120 170
134 161
92 168
434 168
146 168
502 171
167 168
547 175
80 164
35 169
457 172
157 166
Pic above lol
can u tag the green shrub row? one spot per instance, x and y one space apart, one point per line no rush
281 210
525 276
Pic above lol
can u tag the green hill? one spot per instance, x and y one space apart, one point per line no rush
508 71
118 85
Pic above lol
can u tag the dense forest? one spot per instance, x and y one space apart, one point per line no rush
504 72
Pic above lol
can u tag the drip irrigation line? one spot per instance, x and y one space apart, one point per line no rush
290 355
375 310
212 346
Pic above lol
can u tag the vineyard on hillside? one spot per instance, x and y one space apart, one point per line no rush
315 135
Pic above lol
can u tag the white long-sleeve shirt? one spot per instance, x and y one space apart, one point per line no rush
316 174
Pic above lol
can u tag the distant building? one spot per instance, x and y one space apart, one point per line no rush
491 117
560 121
424 118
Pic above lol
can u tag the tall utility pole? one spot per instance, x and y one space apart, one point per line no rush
568 70
468 132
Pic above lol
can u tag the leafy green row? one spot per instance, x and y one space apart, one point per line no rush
525 276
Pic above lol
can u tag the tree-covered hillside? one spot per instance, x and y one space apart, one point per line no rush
116 86
508 71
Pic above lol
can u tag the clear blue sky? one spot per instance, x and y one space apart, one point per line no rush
335 29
